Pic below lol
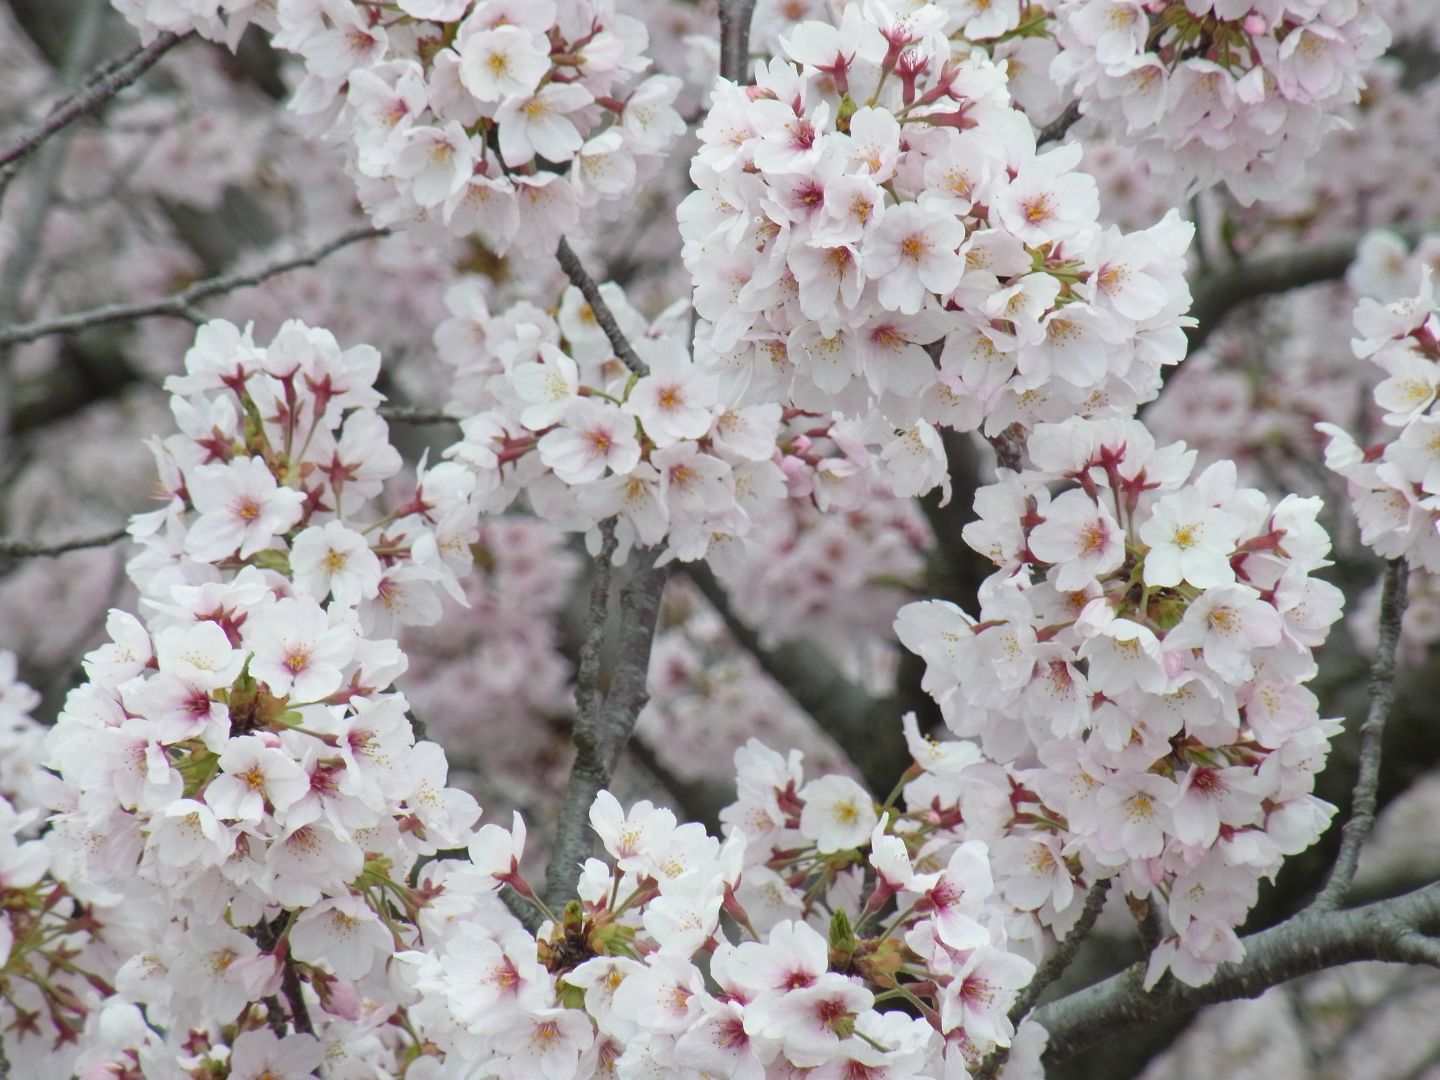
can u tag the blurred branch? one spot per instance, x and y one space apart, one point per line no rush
182 304
93 95
735 18
1228 287
410 414
1367 782
29 549
956 569
697 800
81 44
1060 126
1390 930
863 726
581 279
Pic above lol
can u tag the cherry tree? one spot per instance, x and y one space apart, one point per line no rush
744 540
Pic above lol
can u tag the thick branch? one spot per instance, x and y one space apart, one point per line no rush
95 94
581 279
604 727
29 549
1391 930
1219 293
182 304
1367 782
588 697
735 19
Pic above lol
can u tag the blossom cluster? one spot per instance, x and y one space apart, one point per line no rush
237 774
640 975
1141 653
1362 176
673 455
874 235
52 962
1235 90
493 117
1395 482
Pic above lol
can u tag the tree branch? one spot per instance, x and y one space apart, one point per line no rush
1217 294
735 18
580 278
87 100
1060 126
588 697
605 722
295 994
82 43
29 549
1367 782
411 414
182 304
1051 970
856 721
1390 930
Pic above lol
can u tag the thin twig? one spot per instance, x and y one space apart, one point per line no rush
87 100
182 304
410 414
295 995
1051 970
581 279
1060 126
30 549
1372 731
